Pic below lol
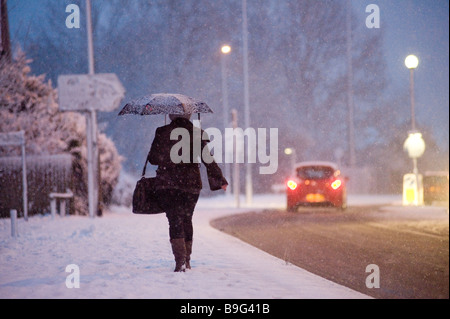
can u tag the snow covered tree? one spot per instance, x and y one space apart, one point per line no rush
28 103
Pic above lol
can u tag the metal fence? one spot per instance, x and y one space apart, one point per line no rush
45 174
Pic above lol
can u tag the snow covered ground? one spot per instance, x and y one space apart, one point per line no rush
122 255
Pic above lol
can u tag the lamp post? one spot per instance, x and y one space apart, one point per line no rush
350 102
248 166
414 144
289 151
411 63
236 177
226 49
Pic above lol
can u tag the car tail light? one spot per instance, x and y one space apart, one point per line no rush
336 184
291 184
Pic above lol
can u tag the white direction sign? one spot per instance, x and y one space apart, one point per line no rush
13 138
86 92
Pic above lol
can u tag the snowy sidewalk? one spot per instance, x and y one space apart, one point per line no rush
122 255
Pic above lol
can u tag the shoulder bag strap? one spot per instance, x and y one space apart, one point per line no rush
145 167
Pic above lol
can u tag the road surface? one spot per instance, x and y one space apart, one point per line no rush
410 246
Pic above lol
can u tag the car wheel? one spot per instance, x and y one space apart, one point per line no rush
292 209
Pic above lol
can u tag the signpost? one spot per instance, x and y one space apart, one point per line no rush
18 138
89 93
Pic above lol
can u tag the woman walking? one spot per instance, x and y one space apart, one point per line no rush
180 183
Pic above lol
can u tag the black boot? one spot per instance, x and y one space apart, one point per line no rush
179 251
188 245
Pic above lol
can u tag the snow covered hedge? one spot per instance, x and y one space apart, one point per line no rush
30 104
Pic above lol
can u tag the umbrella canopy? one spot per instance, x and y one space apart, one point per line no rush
165 103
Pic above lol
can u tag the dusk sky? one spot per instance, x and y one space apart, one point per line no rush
410 27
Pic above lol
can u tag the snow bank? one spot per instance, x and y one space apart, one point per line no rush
122 255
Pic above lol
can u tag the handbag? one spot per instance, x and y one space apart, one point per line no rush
145 200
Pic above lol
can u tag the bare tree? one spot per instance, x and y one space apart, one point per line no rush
299 71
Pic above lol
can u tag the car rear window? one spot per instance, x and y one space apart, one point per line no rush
315 172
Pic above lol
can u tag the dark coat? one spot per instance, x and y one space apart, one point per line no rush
182 176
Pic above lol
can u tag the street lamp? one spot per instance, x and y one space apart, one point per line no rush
414 145
226 49
411 63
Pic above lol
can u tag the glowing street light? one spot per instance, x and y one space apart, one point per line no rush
411 61
412 183
415 146
226 49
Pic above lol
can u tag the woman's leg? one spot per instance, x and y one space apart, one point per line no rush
188 207
188 227
179 207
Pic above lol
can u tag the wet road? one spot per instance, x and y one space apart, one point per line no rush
410 246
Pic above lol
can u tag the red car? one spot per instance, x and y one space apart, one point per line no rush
316 184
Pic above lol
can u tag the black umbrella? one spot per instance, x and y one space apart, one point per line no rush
165 103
